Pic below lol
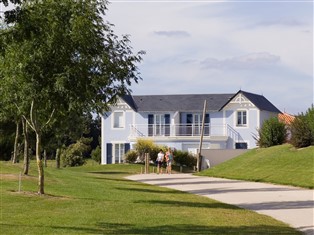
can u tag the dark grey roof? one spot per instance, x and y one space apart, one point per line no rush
258 100
191 102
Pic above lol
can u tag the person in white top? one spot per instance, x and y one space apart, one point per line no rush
160 159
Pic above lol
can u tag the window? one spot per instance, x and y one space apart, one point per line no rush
118 153
158 124
196 121
118 120
241 118
241 145
197 124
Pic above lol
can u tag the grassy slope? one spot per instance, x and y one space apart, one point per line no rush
280 165
98 200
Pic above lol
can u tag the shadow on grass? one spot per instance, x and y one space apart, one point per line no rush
119 228
163 229
110 172
189 204
110 179
146 190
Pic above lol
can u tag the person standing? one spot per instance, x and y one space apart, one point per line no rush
169 159
160 159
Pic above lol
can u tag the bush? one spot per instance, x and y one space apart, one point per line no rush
96 154
272 133
301 134
302 129
143 146
183 158
131 156
74 154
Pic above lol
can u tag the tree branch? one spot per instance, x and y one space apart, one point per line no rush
50 118
28 122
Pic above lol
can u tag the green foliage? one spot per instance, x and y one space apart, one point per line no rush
184 158
131 156
74 154
310 118
143 146
61 56
7 134
301 133
272 133
96 154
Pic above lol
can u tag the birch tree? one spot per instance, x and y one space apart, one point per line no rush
57 56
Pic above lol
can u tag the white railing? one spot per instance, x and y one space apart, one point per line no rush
174 130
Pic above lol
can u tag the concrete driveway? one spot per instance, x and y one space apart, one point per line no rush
294 206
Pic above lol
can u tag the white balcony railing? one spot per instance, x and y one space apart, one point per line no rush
177 130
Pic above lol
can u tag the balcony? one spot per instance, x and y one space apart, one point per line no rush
181 130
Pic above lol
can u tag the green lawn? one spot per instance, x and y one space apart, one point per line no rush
280 165
97 199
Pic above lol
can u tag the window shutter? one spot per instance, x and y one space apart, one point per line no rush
167 124
109 153
206 128
189 118
207 118
126 147
189 122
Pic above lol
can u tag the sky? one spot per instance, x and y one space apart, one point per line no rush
212 47
215 46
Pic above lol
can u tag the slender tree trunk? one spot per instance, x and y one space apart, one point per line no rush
35 125
58 153
17 132
39 164
26 154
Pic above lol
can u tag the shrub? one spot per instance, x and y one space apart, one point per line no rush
310 118
96 154
272 133
74 154
131 156
184 158
143 146
301 134
302 129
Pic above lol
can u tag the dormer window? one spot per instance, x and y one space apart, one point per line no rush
241 118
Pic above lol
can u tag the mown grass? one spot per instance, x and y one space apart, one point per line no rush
279 165
97 199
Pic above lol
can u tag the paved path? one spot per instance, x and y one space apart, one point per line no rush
294 206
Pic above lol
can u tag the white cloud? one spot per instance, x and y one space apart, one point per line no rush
173 33
194 47
249 61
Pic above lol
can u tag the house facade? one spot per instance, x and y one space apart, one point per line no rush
231 121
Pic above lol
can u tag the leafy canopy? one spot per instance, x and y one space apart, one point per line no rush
61 55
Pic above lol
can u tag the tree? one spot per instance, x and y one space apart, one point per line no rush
302 129
272 133
7 131
61 56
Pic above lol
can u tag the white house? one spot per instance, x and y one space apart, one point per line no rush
231 121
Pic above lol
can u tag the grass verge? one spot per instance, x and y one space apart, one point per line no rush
97 199
279 165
